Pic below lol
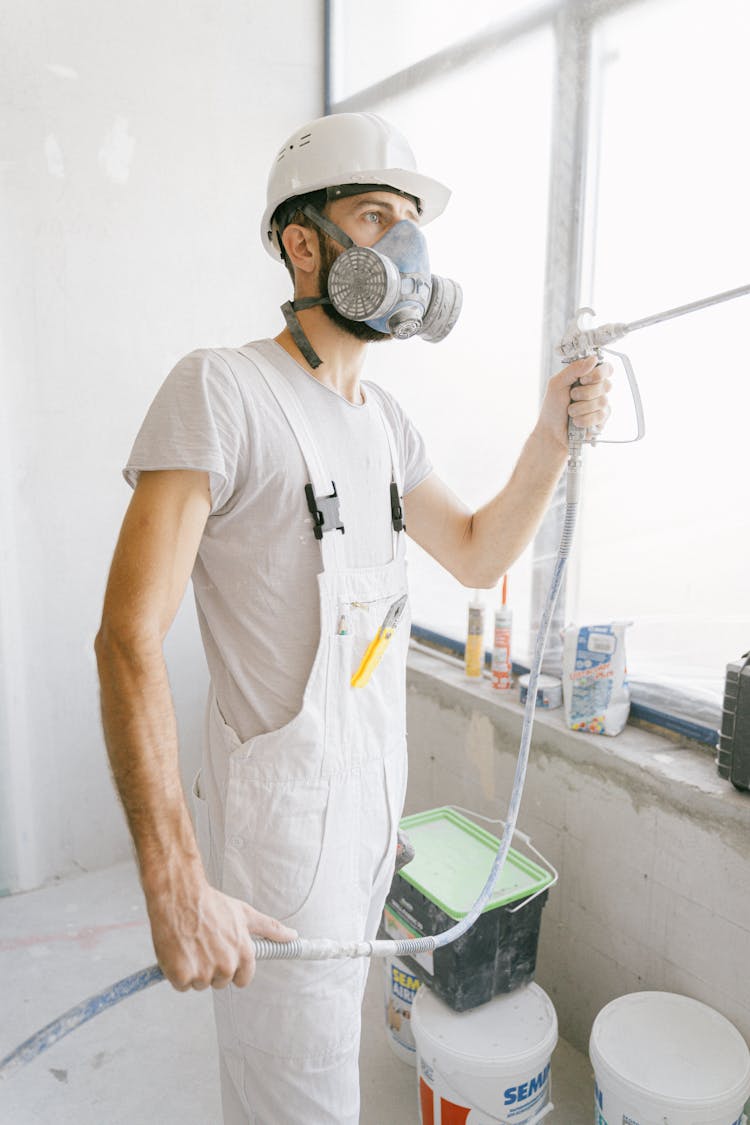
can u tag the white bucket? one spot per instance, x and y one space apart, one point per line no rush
488 1066
549 692
400 989
659 1057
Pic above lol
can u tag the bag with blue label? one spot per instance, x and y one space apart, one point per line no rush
595 686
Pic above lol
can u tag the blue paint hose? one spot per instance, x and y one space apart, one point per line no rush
74 1017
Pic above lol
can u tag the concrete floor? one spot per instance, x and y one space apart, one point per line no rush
152 1060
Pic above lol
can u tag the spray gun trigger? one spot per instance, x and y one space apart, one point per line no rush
636 396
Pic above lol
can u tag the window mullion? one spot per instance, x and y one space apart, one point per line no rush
563 275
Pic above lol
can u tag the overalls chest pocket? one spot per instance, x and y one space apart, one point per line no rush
366 683
364 632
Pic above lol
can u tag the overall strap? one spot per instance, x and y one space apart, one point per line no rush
321 490
398 524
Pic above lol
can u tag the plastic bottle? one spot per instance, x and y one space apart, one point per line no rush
501 661
474 658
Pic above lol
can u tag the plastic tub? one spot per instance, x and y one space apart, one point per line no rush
490 1066
658 1057
452 860
549 693
400 989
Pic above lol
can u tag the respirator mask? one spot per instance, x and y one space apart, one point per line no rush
388 286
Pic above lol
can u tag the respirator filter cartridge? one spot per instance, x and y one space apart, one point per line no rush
365 285
443 310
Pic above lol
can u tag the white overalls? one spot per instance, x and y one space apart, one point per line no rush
310 819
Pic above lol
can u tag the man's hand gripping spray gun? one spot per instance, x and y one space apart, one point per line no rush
577 343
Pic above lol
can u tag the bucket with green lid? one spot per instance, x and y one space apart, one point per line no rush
452 861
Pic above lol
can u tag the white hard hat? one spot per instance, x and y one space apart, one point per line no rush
347 148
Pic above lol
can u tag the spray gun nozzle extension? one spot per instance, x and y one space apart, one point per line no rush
578 341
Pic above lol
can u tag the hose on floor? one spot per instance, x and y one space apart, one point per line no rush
70 1020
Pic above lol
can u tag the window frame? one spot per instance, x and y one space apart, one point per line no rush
571 206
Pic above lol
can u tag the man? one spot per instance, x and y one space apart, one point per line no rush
282 483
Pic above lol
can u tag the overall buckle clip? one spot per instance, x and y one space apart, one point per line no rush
397 512
324 510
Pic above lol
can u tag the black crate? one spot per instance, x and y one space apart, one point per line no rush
498 953
733 759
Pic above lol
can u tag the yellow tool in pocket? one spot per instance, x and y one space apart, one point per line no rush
377 646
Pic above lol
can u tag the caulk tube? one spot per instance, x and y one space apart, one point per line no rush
474 655
501 661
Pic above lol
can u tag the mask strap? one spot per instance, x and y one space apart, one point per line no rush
308 303
291 308
295 328
329 228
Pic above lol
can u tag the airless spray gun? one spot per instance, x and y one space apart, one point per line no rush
580 341
577 343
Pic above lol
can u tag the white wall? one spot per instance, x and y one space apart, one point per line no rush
652 847
136 141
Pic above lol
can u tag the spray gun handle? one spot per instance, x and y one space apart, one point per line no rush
578 342
577 435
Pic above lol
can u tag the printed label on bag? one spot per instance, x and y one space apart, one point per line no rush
598 642
595 687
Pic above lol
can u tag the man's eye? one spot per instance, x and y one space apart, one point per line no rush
372 216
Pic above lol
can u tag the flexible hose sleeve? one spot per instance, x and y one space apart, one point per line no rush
73 1018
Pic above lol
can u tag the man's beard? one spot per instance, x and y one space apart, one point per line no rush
329 252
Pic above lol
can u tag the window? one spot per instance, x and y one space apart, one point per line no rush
661 91
372 44
465 132
665 530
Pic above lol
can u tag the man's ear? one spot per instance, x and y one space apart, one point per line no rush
302 247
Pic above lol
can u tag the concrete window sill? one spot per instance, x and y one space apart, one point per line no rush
682 773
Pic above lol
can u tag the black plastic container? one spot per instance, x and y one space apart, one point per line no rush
733 759
498 954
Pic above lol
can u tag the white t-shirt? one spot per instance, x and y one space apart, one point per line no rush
255 576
